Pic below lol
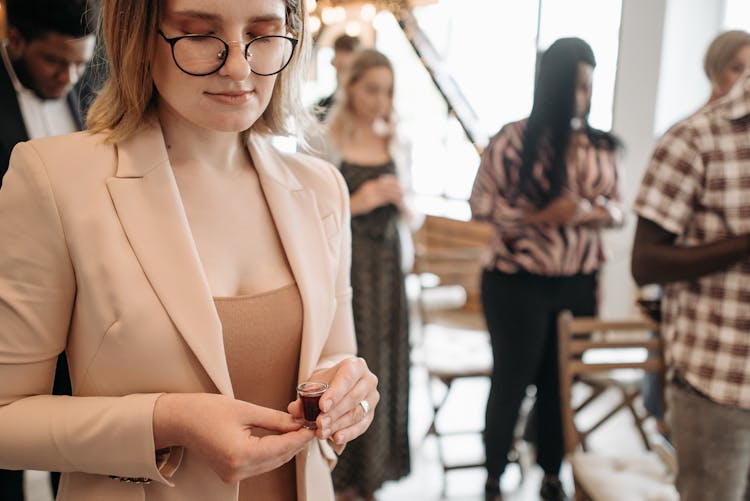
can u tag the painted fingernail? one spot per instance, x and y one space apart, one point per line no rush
326 433
327 405
326 422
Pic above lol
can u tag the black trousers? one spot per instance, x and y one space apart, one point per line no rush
11 481
521 312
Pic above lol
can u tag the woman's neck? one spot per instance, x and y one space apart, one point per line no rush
368 130
197 147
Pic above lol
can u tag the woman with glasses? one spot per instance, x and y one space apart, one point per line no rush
193 274
548 184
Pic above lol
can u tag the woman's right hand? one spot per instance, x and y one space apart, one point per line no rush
376 193
223 431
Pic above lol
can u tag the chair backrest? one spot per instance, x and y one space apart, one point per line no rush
579 336
452 250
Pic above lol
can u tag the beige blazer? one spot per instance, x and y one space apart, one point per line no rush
97 259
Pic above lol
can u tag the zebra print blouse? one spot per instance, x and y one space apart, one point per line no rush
541 249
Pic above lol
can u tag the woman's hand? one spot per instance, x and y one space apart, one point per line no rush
560 211
376 193
343 418
224 432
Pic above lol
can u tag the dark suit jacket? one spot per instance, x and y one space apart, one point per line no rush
12 127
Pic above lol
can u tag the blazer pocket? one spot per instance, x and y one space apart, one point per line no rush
329 226
332 233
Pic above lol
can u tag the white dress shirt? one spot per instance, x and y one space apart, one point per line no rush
42 117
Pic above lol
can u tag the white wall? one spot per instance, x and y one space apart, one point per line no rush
689 27
633 122
659 81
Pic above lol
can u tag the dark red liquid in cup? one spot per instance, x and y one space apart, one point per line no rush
311 406
310 392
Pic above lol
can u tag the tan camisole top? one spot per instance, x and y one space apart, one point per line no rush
262 338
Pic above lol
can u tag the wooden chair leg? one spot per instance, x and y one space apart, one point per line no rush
637 418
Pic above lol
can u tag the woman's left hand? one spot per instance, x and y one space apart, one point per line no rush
343 417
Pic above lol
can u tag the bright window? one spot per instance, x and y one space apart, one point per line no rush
566 18
489 46
490 49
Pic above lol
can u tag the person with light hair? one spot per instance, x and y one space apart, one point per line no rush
193 274
693 240
363 141
726 59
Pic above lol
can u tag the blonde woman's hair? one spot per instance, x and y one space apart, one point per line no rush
342 115
722 50
128 29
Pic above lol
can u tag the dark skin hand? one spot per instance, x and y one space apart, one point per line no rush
656 258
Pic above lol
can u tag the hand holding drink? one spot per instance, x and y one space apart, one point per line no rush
345 409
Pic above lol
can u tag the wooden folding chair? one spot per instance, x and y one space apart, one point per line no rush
453 338
591 352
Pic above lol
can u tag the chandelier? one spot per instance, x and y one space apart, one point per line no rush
354 12
3 21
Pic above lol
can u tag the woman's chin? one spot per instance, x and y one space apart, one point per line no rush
232 125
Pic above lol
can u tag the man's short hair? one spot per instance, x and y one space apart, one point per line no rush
347 43
36 18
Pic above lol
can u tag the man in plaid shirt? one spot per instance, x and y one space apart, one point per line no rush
693 236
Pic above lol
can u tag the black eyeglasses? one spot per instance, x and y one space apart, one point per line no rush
201 55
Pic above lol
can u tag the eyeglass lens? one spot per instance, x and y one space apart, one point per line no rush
202 55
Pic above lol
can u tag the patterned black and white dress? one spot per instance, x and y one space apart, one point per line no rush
381 321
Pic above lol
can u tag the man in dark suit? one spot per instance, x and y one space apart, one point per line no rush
344 48
48 46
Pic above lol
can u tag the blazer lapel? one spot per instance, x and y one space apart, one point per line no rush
298 221
148 204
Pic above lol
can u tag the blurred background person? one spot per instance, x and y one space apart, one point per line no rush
693 237
548 184
726 60
362 141
344 48
49 44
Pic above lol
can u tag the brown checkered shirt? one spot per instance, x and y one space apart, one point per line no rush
697 186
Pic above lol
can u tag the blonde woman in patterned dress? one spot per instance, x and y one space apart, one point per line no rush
374 163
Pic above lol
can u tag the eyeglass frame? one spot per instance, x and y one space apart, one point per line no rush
173 41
